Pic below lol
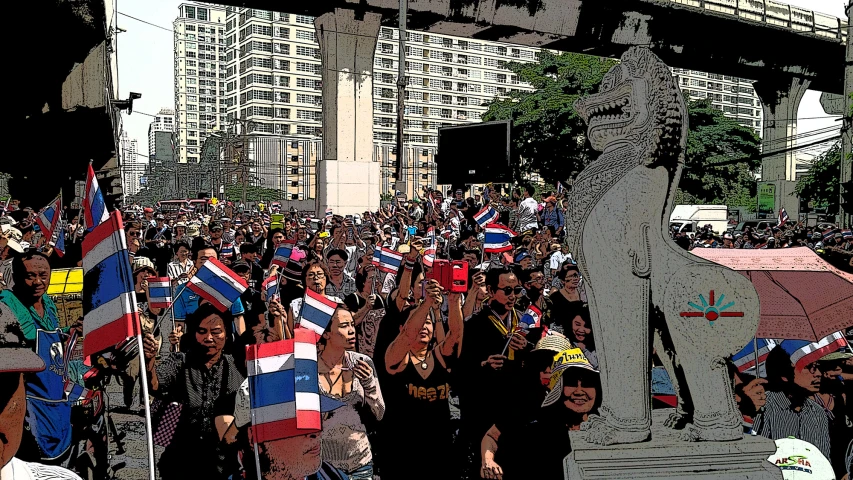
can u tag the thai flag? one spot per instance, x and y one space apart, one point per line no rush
446 230
70 344
847 233
48 217
803 352
744 360
94 207
109 302
827 234
486 216
74 392
160 292
498 239
227 250
284 390
316 312
560 188
59 243
431 247
238 222
282 254
217 284
387 260
270 286
328 213
783 217
266 218
531 317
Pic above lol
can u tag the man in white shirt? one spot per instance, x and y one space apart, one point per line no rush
528 211
17 359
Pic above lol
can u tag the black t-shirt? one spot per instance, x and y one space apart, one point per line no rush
519 443
388 330
560 311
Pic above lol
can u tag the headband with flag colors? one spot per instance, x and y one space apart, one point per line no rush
94 207
532 316
744 360
109 302
486 216
498 239
48 217
316 312
159 292
783 217
803 352
282 254
217 284
270 286
284 390
387 260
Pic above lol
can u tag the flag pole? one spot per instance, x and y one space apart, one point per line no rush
171 307
143 374
255 443
755 352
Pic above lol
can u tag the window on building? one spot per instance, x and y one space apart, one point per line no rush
307 51
189 12
282 48
304 19
202 14
306 35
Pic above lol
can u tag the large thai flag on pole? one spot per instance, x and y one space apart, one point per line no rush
803 352
217 284
94 207
498 239
109 303
486 216
48 217
316 312
745 359
160 292
387 260
282 254
284 392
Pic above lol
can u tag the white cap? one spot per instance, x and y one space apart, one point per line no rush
800 460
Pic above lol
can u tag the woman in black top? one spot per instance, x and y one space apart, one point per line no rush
562 306
418 362
204 381
368 309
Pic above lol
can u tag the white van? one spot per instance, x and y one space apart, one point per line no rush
691 218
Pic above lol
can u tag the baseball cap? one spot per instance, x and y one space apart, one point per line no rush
570 358
15 236
215 226
800 460
521 256
15 355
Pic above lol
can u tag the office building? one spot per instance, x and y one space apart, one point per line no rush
132 165
164 121
199 76
735 96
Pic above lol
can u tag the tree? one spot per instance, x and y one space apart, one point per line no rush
548 135
549 138
715 138
820 184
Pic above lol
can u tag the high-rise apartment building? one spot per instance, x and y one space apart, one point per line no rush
199 76
735 96
132 168
164 121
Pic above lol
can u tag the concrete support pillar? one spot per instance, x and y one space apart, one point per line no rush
781 100
348 178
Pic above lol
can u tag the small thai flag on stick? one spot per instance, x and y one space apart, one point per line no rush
160 292
109 302
282 254
328 213
217 284
531 317
431 247
48 217
74 392
387 260
498 239
783 217
270 286
486 216
316 312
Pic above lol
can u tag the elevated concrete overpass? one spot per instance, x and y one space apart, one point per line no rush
785 49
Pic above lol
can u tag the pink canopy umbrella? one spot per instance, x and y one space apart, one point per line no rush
801 296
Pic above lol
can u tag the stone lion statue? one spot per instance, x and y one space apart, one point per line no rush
643 289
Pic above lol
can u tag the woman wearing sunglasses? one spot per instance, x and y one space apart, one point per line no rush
490 365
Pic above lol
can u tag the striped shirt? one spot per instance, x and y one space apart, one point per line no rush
527 215
779 420
175 270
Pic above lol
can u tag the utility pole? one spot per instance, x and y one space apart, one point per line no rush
401 94
844 217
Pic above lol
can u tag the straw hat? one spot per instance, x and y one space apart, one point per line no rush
140 263
571 358
554 342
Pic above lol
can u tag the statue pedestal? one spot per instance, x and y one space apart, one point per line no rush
667 457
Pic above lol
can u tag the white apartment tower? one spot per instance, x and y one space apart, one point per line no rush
199 76
735 96
164 121
131 166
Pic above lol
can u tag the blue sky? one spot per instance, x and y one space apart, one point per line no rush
145 55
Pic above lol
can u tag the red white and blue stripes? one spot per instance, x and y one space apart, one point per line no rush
532 316
783 217
284 390
431 247
803 352
94 207
282 254
109 302
387 260
744 360
48 217
316 312
486 216
159 292
217 284
270 286
498 239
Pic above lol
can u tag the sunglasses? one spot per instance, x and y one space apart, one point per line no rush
509 290
133 234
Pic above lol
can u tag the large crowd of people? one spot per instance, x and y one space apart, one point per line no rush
428 382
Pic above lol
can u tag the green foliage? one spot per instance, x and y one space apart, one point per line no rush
715 138
548 135
253 193
549 138
820 184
